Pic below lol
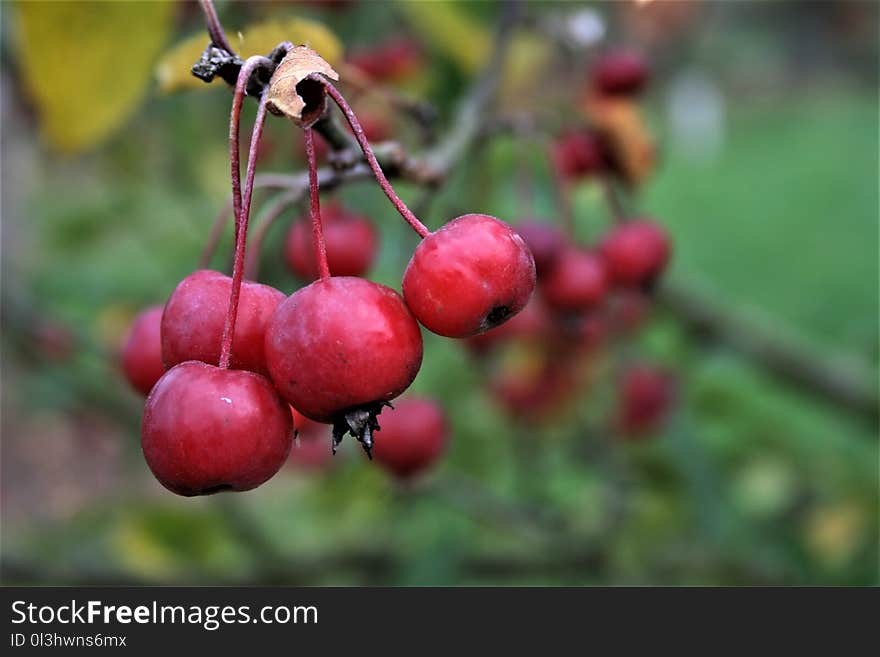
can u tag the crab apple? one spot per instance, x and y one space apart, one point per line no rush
469 276
530 323
577 283
396 59
339 349
544 240
194 317
580 153
647 394
620 73
208 429
142 354
636 252
350 239
412 436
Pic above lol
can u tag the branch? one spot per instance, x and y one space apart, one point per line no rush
851 387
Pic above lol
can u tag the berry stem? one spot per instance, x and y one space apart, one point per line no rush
241 221
361 138
315 205
215 29
612 199
267 220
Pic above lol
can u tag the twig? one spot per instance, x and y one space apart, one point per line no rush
852 388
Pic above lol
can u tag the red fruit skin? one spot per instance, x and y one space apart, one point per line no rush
531 323
412 437
621 73
647 394
579 154
351 242
192 324
340 343
394 60
312 453
544 240
577 283
469 276
142 354
206 429
636 252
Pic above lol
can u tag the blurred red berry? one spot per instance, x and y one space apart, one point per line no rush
647 395
393 60
620 73
411 438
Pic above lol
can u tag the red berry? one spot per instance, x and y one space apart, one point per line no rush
580 153
192 325
341 348
646 397
544 240
636 252
412 436
393 60
350 239
142 353
469 276
207 429
620 73
577 283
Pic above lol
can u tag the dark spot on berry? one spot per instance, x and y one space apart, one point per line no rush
219 488
496 316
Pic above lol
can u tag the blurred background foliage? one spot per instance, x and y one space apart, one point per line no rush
766 114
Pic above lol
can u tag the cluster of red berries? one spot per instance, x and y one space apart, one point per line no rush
227 361
586 295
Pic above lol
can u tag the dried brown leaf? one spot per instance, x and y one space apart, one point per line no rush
302 104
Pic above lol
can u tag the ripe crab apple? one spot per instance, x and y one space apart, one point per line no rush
411 438
647 394
577 283
544 240
580 153
393 60
142 353
636 252
469 276
340 349
350 239
620 73
194 317
207 429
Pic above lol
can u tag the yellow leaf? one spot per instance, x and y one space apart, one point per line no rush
448 30
631 143
87 65
173 70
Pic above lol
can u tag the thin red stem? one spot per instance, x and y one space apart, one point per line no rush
244 74
215 29
612 199
241 232
315 205
361 138
268 219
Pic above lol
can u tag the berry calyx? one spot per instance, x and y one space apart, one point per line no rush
412 437
620 73
207 429
339 349
350 240
142 354
636 253
469 276
195 315
577 283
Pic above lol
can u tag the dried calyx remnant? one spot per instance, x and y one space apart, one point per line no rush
360 423
291 91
